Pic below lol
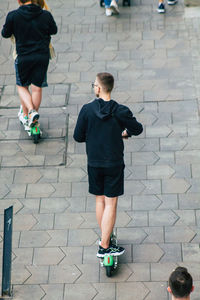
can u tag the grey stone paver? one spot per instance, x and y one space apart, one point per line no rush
39 274
105 291
64 274
76 291
157 288
147 253
24 292
34 239
53 291
154 60
47 256
128 291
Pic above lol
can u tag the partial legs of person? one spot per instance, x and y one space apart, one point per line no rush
36 96
100 206
108 220
27 104
106 216
24 108
114 7
161 6
25 97
23 111
111 7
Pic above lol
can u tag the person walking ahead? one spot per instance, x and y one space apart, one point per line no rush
102 124
32 27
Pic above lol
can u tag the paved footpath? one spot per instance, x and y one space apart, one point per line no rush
156 62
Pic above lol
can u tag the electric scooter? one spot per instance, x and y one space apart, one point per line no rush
109 261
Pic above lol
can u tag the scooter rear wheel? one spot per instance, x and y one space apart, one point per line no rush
36 138
102 3
109 271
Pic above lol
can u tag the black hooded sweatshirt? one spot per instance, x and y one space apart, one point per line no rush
100 124
32 27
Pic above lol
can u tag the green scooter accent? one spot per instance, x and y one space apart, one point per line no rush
108 260
35 133
108 263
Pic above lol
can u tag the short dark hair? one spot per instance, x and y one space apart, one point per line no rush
106 80
38 2
180 282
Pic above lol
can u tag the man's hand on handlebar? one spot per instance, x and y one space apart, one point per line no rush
125 134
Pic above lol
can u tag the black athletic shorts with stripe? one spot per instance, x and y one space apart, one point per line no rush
32 69
106 181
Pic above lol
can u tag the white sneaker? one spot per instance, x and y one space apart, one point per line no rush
20 111
23 119
109 12
114 7
33 117
26 126
172 2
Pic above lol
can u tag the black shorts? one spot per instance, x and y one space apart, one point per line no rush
106 181
31 70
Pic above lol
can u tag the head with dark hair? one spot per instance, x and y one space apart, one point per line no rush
180 283
106 80
38 2
24 1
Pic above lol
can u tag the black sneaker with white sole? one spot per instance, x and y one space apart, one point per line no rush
112 250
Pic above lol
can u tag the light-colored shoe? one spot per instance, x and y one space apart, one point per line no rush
172 2
109 12
33 116
20 111
114 7
23 119
26 126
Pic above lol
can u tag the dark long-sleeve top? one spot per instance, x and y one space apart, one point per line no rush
32 28
100 124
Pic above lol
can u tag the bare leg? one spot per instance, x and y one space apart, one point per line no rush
25 110
36 96
108 220
100 206
25 97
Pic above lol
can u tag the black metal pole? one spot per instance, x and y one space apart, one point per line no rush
7 252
